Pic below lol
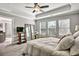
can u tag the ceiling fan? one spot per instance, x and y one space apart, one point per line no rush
37 7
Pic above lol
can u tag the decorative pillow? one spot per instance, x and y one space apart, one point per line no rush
76 34
65 43
74 50
63 37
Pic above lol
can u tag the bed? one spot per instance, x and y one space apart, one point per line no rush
44 47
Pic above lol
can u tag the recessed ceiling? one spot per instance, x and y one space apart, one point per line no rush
19 8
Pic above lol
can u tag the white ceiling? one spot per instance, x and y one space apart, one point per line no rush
19 8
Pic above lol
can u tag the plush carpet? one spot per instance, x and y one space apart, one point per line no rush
12 50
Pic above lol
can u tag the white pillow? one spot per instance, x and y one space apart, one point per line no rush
74 50
65 43
76 34
64 37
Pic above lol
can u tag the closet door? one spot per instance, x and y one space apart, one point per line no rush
8 27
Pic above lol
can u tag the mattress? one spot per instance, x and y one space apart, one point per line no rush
44 47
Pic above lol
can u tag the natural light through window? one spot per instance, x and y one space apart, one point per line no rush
43 28
52 28
64 26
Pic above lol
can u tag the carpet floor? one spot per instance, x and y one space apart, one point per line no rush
12 50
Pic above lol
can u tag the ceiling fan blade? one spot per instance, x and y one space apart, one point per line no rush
44 6
33 11
35 3
28 7
41 10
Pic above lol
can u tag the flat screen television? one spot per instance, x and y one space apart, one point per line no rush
19 29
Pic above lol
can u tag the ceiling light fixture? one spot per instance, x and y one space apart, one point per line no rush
37 7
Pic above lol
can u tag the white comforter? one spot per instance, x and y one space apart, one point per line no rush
44 47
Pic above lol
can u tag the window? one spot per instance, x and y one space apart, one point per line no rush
43 28
64 26
52 28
